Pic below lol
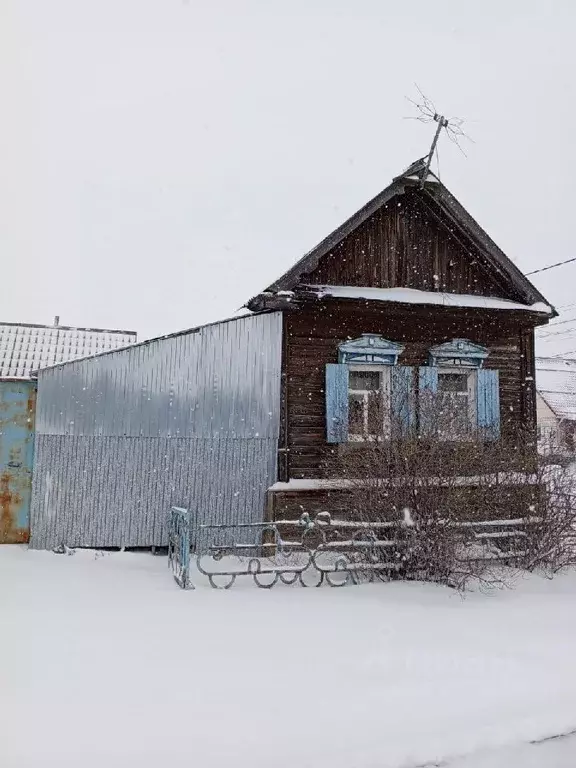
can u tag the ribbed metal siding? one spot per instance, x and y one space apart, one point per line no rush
221 380
116 491
189 421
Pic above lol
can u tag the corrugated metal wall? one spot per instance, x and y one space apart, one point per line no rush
191 420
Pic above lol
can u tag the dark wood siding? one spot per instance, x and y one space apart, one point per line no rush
408 244
312 335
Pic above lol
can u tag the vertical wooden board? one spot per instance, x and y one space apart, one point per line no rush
528 382
488 399
428 379
402 401
408 243
427 390
336 403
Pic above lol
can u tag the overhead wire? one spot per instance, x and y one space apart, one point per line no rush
561 322
550 266
562 354
561 334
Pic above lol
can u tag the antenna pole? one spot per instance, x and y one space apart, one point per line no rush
442 123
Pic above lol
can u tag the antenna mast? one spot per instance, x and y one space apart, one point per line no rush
452 125
442 123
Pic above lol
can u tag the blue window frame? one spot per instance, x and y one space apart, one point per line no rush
452 398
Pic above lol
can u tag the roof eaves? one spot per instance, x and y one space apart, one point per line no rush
450 205
310 260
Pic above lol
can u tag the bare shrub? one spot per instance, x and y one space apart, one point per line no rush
550 532
463 507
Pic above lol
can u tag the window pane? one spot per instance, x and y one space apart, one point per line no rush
454 418
356 414
365 380
375 414
453 382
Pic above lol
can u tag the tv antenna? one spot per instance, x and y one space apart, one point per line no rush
452 126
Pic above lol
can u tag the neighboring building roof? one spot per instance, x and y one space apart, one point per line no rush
556 384
25 347
434 194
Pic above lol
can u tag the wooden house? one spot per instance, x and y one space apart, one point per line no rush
412 293
250 417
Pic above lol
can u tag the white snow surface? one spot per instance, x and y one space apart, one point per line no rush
105 662
414 296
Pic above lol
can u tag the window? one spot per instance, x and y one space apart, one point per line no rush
456 406
368 402
369 395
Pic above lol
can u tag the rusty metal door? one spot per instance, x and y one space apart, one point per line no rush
17 408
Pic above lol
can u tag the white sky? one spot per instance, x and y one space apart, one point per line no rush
164 160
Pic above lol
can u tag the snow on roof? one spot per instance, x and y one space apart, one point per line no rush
556 383
413 296
25 347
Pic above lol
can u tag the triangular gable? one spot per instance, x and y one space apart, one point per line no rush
450 218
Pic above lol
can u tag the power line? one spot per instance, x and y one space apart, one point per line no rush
566 332
563 354
561 322
550 266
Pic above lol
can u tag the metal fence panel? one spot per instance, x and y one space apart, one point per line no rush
190 420
219 380
117 491
17 400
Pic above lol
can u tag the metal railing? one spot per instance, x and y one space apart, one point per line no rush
319 551
179 546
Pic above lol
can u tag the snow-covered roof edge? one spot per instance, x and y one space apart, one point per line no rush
437 298
69 328
27 347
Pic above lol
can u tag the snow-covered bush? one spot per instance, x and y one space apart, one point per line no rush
463 508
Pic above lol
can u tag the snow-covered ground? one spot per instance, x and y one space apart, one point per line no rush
105 663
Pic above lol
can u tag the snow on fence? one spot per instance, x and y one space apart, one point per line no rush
313 552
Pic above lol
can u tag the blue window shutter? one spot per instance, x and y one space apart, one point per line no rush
488 402
427 390
336 403
402 399
428 379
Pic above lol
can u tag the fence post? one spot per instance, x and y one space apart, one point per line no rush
179 546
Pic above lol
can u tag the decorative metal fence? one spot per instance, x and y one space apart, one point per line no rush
312 552
307 552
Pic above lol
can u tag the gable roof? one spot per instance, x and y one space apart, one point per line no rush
26 347
434 193
556 384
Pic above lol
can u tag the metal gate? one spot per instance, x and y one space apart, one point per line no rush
17 407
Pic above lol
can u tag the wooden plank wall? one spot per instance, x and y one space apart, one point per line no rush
408 244
312 336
